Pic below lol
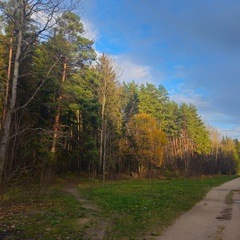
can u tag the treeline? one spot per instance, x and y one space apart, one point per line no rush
63 109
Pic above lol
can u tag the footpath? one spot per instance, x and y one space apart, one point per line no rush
216 217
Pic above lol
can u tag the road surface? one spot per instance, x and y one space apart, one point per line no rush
216 217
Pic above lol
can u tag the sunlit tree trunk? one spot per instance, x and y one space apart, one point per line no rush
57 117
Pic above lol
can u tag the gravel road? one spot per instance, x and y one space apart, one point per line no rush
216 217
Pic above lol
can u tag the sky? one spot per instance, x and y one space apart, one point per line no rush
191 47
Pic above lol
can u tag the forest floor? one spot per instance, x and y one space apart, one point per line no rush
76 208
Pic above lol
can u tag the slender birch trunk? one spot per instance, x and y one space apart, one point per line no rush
7 123
8 80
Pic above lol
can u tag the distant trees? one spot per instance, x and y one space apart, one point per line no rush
190 148
63 109
144 143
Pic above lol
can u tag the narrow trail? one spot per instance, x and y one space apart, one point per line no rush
95 226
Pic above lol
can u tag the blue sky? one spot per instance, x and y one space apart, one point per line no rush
192 47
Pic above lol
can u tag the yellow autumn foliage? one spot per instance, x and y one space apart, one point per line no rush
145 141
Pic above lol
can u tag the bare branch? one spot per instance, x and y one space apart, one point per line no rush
39 87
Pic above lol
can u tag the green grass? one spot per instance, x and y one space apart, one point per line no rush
131 208
137 208
28 215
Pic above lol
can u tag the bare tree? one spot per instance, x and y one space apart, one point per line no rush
109 94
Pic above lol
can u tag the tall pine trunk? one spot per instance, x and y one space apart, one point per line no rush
101 149
57 117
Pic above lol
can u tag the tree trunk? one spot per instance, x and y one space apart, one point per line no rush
104 152
57 117
101 150
9 112
8 80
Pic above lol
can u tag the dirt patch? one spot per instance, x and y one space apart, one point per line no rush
226 214
92 225
219 233
229 198
71 188
96 231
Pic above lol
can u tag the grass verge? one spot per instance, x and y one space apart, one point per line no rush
145 208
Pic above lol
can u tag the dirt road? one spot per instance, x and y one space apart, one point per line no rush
216 217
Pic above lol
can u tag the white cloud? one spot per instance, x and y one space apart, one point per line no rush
189 96
223 124
133 71
179 71
230 132
91 31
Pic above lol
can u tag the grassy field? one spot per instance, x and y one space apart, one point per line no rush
129 208
28 214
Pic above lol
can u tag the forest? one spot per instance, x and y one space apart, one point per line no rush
63 108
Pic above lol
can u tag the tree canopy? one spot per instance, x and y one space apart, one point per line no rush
63 108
